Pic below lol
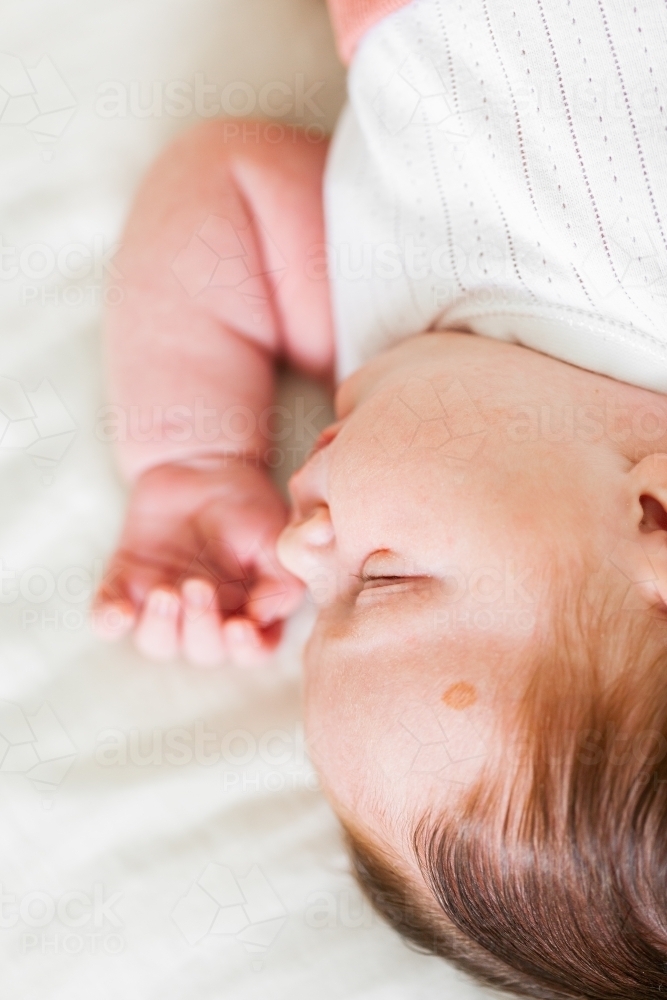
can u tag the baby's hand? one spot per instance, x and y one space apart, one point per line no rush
196 572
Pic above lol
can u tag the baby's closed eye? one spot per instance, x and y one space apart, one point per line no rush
388 571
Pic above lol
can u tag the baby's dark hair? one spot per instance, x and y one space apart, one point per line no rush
551 880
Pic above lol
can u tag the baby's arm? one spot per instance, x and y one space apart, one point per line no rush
215 285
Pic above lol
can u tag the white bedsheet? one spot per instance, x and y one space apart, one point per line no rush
161 832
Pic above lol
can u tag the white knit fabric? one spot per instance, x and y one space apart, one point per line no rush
502 167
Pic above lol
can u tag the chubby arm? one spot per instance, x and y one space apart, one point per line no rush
215 286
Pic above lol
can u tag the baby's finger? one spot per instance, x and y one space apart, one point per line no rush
117 602
274 598
243 642
156 635
112 620
201 631
249 645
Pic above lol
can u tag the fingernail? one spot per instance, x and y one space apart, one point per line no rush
236 630
163 603
241 632
197 593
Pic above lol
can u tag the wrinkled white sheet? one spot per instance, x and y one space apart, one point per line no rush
161 831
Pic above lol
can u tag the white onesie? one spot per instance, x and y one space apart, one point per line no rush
501 167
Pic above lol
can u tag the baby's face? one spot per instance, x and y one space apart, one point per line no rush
428 527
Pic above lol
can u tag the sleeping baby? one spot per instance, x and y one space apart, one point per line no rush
480 261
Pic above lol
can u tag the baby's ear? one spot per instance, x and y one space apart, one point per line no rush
642 555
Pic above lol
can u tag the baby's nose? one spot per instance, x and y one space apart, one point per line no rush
306 549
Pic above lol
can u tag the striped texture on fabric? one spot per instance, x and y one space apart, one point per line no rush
501 168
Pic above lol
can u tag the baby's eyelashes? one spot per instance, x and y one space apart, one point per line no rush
386 585
385 565
369 580
385 572
379 581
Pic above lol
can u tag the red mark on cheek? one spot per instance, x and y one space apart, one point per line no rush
460 696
